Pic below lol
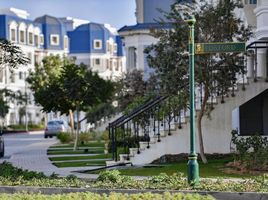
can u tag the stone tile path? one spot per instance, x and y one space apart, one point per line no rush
28 151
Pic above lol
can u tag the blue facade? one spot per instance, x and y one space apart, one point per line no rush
151 9
81 40
83 37
52 26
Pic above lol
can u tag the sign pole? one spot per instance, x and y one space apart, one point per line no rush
193 168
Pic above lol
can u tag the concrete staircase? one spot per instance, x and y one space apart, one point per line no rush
216 129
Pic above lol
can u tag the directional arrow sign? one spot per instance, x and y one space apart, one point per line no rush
206 48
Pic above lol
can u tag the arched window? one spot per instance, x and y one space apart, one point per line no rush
22 33
37 36
30 31
13 31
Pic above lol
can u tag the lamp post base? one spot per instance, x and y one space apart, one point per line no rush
193 170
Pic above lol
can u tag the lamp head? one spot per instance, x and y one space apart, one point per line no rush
191 21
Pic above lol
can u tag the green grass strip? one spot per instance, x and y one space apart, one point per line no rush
52 152
79 149
214 168
81 163
91 144
100 156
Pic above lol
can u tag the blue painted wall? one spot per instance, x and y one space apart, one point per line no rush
82 39
52 25
3 27
151 7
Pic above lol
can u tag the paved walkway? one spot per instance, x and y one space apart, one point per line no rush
28 151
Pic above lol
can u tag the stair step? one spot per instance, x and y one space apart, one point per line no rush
112 163
124 157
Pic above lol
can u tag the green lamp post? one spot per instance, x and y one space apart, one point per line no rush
193 168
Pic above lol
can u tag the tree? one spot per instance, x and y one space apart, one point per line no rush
84 89
214 73
62 86
11 56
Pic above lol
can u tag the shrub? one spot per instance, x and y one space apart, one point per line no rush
251 152
112 196
7 170
84 137
105 136
65 137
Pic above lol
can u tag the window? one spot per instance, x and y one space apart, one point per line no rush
13 37
20 75
1 76
36 41
66 42
252 1
107 64
30 38
97 61
41 39
12 78
115 48
30 57
22 36
97 44
54 40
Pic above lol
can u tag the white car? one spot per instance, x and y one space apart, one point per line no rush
56 126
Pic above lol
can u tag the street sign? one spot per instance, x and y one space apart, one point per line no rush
206 48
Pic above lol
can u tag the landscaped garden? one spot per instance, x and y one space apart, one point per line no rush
91 150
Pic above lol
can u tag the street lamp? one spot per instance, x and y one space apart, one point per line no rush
193 168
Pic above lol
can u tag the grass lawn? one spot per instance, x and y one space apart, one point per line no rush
52 152
81 163
91 144
212 169
100 156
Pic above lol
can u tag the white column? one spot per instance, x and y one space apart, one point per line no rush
261 63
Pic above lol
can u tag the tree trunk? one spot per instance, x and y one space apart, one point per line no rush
77 128
199 125
71 121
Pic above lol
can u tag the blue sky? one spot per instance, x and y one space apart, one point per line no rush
115 12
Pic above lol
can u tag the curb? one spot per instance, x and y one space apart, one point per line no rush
55 190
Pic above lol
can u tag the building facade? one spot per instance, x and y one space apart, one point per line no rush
96 45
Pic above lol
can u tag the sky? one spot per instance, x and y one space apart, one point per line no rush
115 12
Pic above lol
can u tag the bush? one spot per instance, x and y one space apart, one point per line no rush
112 196
65 137
22 126
105 136
251 152
84 137
7 170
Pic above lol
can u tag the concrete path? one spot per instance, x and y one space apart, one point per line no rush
28 151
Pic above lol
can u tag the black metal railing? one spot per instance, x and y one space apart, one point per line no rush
145 124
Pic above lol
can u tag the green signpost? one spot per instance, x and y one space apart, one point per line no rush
206 48
201 48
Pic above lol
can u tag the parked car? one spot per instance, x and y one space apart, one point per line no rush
54 127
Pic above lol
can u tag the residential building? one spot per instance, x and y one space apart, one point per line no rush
96 45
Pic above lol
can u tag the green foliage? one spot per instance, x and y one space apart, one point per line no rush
12 55
252 151
22 127
65 137
111 196
85 137
11 176
8 171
